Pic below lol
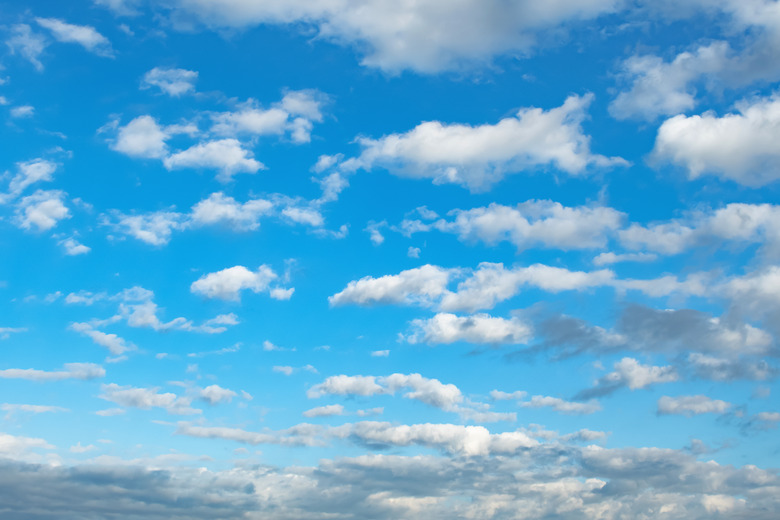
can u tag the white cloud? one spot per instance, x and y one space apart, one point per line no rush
73 247
479 156
380 353
225 155
427 36
28 173
29 408
5 332
116 345
306 216
84 35
691 405
610 258
456 439
530 224
561 405
632 374
28 44
173 82
422 284
325 411
219 208
215 394
142 137
227 283
147 398
498 395
43 209
23 111
82 371
413 252
738 146
479 328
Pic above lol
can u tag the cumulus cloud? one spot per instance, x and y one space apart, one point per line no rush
22 111
228 283
226 155
43 209
84 35
691 405
147 398
479 156
421 284
630 373
325 411
479 328
219 208
215 394
142 137
73 247
427 37
171 81
738 146
535 223
83 371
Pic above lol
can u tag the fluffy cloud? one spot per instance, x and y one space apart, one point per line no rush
428 36
83 371
173 82
43 209
73 247
479 328
215 394
221 209
147 398
227 283
325 411
691 405
422 284
632 374
142 137
28 173
225 155
530 224
479 156
738 146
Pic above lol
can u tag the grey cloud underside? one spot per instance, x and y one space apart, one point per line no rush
555 481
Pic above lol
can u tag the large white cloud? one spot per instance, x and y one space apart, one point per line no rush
226 155
421 284
738 146
479 156
427 36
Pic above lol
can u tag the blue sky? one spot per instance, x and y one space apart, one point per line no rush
372 259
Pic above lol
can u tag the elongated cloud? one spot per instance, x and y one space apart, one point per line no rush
83 371
479 156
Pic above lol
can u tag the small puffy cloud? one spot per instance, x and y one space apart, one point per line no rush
325 411
413 252
632 374
306 216
84 35
73 247
83 371
228 283
562 406
173 82
691 405
225 155
422 284
739 146
346 385
215 394
479 328
22 112
116 345
43 209
498 395
26 43
219 208
147 398
142 137
380 353
479 156
610 258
